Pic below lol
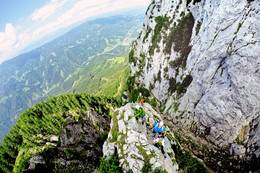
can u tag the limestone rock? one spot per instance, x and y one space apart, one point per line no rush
202 60
135 142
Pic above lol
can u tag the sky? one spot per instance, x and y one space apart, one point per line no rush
24 22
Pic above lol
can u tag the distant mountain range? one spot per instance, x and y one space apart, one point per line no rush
94 51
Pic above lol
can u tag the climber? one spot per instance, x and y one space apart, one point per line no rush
140 99
140 96
158 128
141 102
159 131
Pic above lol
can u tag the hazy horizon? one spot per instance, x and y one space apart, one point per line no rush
52 36
45 20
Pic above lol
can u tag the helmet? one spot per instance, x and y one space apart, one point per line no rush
161 124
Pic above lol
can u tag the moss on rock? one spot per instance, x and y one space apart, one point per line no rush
161 22
179 39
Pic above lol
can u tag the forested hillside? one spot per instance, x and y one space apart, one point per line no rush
38 129
90 58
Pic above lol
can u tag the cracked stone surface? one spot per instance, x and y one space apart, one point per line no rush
222 103
133 145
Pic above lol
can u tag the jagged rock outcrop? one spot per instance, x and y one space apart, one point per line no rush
79 147
134 141
202 59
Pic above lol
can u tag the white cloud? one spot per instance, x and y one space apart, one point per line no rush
55 15
8 39
84 9
47 10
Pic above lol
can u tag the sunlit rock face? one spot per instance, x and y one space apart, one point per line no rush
201 58
134 142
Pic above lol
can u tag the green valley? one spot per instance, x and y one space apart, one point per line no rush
92 58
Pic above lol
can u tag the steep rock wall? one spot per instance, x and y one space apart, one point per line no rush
201 58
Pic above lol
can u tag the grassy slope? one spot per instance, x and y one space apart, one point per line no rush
102 77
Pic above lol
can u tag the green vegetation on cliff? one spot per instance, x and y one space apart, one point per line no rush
41 121
161 22
110 165
179 39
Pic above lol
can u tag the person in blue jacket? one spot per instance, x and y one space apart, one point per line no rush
158 128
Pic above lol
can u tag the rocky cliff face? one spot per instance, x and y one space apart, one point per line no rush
201 58
77 149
